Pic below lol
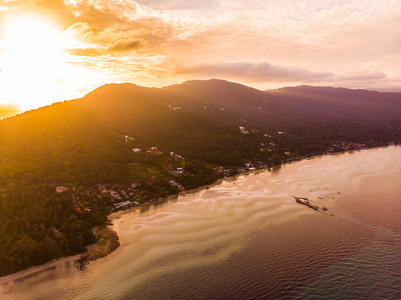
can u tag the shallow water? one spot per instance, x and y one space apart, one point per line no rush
248 239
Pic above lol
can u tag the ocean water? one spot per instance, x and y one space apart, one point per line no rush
248 239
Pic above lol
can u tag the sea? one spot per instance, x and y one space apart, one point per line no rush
247 238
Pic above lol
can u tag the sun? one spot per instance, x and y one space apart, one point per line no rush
31 35
35 69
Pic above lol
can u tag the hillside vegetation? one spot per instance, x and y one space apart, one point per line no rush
124 145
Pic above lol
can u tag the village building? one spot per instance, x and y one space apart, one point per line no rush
61 189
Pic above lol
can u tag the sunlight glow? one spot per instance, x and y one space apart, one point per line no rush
32 36
35 69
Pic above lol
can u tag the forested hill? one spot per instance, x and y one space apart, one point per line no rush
225 100
64 167
341 102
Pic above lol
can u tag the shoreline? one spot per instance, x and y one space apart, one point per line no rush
107 243
38 269
109 240
312 156
242 222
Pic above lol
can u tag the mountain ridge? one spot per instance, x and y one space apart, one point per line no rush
349 103
290 90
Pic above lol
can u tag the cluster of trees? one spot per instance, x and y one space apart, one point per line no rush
39 225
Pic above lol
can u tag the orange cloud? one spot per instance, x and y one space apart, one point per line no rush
164 41
125 46
122 47
252 72
85 52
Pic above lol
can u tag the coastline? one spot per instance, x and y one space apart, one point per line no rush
38 269
107 243
312 156
241 224
109 240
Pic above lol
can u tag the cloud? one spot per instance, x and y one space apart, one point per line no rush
117 28
55 9
362 76
125 46
121 47
335 42
252 72
181 4
85 52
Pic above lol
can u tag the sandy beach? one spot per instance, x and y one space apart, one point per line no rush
107 243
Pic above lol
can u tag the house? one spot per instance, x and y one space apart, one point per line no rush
218 170
123 204
61 189
128 138
242 130
154 150
177 185
177 172
115 195
176 155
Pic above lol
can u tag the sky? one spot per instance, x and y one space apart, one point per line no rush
55 50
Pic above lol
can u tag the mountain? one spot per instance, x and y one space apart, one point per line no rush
66 166
341 102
